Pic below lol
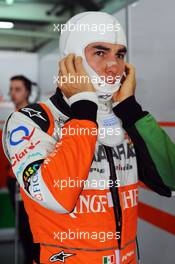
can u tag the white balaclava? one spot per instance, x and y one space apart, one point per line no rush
80 31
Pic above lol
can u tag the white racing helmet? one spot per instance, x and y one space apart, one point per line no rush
84 29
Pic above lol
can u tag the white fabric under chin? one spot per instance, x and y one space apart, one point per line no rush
110 131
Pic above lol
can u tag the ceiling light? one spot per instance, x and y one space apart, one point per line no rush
135 4
9 2
6 25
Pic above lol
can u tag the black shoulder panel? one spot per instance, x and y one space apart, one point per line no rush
58 101
37 114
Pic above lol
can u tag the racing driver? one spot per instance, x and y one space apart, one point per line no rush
92 217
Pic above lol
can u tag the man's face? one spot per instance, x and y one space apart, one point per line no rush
106 59
18 92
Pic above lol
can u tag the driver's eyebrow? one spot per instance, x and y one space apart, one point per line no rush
122 50
99 47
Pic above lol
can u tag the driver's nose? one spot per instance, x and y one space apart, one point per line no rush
112 67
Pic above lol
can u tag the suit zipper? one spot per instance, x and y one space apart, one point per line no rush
114 193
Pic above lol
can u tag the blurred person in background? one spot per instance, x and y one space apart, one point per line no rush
20 90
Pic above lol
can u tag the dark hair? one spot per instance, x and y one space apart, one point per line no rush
27 83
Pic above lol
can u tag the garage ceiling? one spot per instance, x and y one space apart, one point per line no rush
34 19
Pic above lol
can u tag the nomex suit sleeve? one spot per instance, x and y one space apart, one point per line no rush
41 164
154 149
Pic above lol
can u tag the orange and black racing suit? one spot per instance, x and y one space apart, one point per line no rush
81 197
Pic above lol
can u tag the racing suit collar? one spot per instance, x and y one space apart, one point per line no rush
60 104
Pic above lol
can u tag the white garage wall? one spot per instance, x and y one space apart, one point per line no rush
47 70
152 43
14 63
153 54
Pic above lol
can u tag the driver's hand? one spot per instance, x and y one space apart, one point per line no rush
128 85
72 76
